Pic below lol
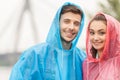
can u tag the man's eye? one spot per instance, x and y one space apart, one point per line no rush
66 21
76 23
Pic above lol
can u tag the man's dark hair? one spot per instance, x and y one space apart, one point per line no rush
71 8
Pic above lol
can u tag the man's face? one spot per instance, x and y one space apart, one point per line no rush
69 26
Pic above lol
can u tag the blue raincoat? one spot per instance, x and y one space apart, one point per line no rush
49 61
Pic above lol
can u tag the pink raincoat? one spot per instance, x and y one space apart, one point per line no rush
107 67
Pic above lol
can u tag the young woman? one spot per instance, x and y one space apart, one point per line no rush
58 58
103 49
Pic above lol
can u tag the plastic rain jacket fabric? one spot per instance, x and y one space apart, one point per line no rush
49 61
107 67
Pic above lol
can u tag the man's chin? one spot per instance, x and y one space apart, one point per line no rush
69 41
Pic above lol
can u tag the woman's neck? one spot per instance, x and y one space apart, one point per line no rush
99 53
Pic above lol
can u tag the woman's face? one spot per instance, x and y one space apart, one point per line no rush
97 31
69 26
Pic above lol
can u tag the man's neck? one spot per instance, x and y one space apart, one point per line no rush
66 45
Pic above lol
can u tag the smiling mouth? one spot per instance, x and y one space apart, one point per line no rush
97 43
69 35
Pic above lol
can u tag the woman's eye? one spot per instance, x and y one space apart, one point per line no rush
101 33
91 33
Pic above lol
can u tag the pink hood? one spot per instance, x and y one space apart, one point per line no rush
107 67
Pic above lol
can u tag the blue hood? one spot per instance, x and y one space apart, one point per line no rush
54 33
49 61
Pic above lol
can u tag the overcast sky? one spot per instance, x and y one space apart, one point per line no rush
43 13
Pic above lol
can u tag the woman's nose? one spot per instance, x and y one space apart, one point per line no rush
96 37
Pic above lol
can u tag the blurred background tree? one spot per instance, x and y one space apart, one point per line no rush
110 7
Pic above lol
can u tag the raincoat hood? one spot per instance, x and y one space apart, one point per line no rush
107 67
112 44
53 37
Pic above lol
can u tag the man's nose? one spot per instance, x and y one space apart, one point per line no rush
71 26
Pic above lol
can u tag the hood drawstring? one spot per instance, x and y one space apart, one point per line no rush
74 59
62 60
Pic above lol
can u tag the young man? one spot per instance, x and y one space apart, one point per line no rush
58 58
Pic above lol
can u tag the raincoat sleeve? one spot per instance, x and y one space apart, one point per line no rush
26 67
